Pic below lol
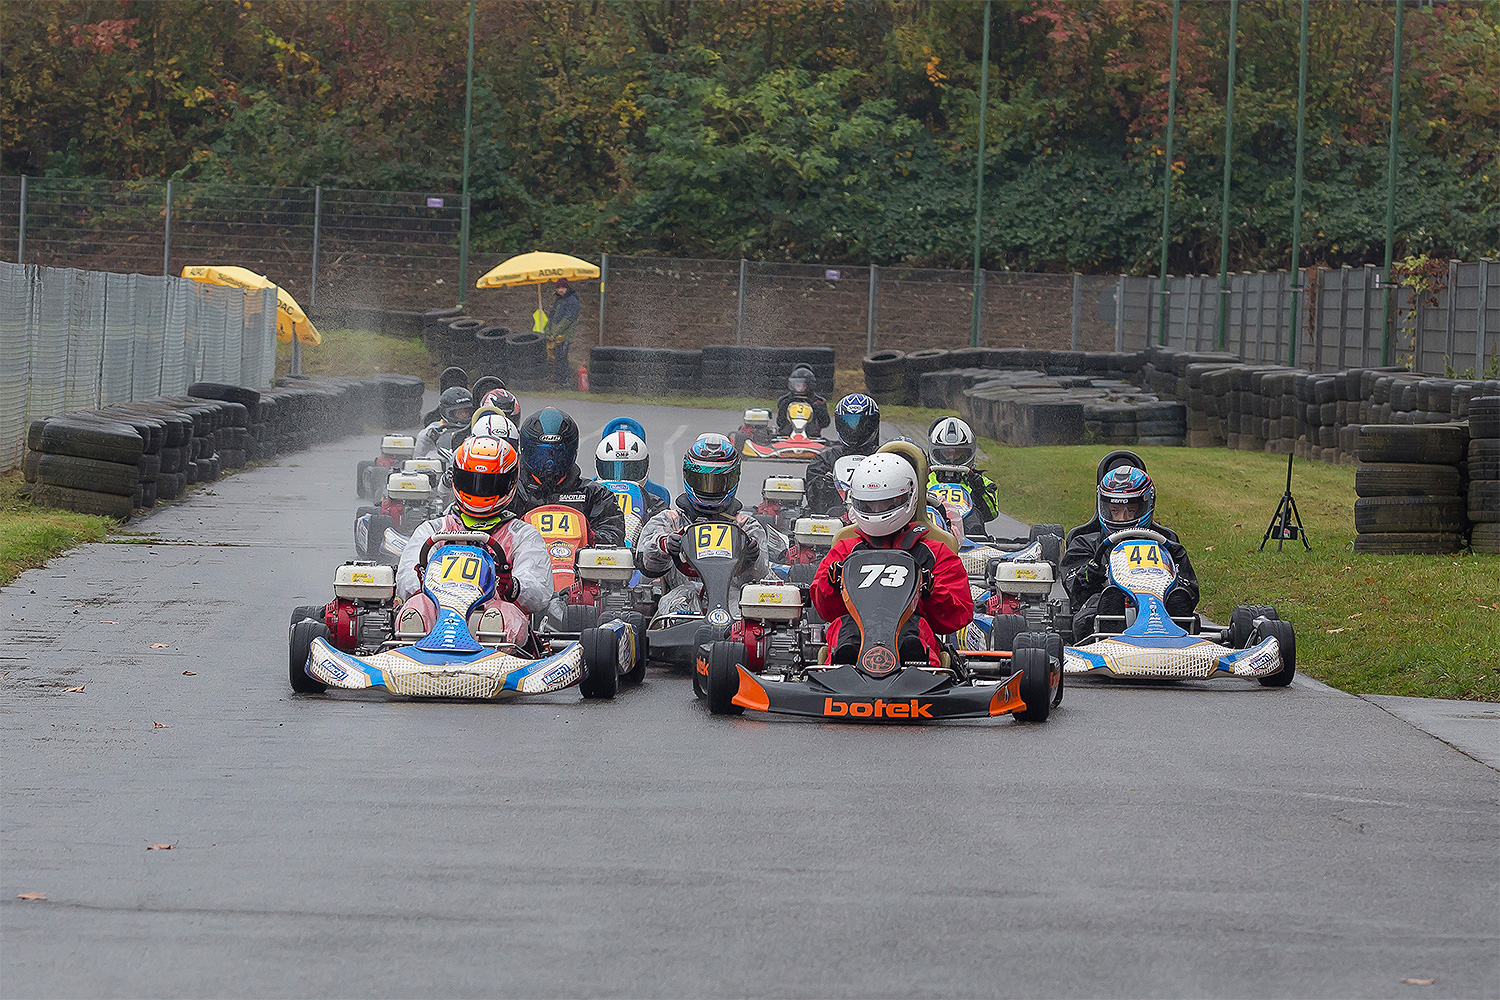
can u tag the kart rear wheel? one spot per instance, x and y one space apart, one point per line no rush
579 617
302 636
724 662
1287 639
1005 629
601 663
313 611
375 536
1036 686
361 479
637 671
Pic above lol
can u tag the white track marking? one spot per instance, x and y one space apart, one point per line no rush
670 476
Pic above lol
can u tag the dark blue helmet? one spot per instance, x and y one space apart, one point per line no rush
549 446
711 473
856 418
1126 499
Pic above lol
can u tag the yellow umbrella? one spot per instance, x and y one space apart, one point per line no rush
290 319
537 268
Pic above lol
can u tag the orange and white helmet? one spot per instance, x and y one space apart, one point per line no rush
485 473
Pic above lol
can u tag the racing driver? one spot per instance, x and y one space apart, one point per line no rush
549 475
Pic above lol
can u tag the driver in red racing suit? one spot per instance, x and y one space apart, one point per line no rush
883 501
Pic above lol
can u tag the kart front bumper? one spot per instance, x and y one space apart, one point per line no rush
845 695
804 450
1194 659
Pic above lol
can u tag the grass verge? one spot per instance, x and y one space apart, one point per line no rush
360 352
31 535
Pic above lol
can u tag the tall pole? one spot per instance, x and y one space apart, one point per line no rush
1390 194
312 299
463 237
21 225
984 101
1166 184
166 243
1297 191
1223 334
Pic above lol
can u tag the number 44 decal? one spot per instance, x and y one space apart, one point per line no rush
887 576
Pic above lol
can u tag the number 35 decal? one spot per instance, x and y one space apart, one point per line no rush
886 576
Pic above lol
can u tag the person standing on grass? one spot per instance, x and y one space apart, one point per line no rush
562 320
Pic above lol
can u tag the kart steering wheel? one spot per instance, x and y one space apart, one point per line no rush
1137 534
475 538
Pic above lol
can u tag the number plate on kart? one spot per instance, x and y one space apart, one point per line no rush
954 496
799 411
1142 566
559 524
713 540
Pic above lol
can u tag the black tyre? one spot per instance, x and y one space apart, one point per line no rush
579 617
1287 639
313 611
637 671
83 501
1402 479
1005 629
1052 548
375 536
1408 543
1484 458
224 391
1424 513
300 647
361 479
1438 444
1486 539
1242 622
1484 416
601 664
88 474
724 662
104 440
1036 683
1484 501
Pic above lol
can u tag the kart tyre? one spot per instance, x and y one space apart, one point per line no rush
1287 639
1005 630
637 671
601 664
375 536
1052 548
724 661
361 479
313 611
302 636
1242 623
1036 687
1038 530
579 617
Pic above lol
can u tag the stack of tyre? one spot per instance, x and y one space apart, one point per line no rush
1410 489
646 371
1484 474
762 371
885 376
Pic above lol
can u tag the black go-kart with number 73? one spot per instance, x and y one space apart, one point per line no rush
889 676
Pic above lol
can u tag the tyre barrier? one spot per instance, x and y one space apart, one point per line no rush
130 456
1483 459
714 371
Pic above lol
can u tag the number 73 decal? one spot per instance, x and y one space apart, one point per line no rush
886 576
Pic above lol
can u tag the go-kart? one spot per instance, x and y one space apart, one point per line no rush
380 532
1015 595
590 583
887 678
714 552
1147 641
783 501
354 642
756 438
370 476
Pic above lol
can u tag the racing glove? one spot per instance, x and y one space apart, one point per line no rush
506 587
751 549
671 544
1092 576
925 563
836 577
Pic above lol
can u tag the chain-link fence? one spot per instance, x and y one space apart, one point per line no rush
76 340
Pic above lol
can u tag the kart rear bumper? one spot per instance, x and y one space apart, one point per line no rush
811 698
784 450
1119 656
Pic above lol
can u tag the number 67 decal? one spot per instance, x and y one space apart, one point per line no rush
888 576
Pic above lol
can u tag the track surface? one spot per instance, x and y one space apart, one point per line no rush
1202 840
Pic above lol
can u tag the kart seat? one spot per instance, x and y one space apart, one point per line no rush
914 455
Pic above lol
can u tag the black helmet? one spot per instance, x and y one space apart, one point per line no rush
454 376
856 417
456 407
483 385
549 446
800 381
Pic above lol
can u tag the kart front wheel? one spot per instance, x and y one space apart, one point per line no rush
601 663
303 634
724 662
1242 623
637 671
1287 640
1036 683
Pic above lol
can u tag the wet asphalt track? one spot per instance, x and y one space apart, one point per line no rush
1202 840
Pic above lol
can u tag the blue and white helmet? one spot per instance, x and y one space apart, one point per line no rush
1126 499
711 473
856 417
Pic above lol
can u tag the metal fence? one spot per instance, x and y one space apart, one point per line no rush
1455 327
76 340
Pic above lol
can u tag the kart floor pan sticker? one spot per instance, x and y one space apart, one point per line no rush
496 675
1199 660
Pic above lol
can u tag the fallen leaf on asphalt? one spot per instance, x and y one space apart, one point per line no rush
161 725
72 690
1419 982
1331 630
190 673
160 645
161 847
32 897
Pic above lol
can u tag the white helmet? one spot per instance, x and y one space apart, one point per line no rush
951 442
883 496
496 425
843 473
622 456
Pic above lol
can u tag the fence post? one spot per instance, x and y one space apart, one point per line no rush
1452 312
312 298
739 315
603 283
1343 311
1364 315
166 243
1481 316
21 225
1120 314
870 312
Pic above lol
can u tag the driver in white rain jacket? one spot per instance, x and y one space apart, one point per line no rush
710 476
485 472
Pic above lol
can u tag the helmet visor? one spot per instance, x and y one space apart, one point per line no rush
797 385
548 459
960 454
884 505
623 470
484 484
711 484
460 415
1122 510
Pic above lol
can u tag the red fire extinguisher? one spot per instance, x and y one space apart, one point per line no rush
583 379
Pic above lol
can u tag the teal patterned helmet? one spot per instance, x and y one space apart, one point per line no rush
711 473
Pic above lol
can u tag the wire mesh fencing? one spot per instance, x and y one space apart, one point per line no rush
72 340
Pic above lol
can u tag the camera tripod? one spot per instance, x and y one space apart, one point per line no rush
1281 527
